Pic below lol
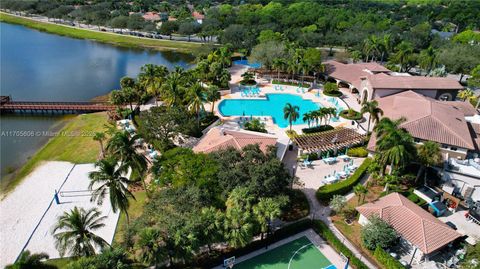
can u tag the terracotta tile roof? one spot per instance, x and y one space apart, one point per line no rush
197 15
414 224
475 133
382 81
151 16
465 107
352 72
217 139
429 119
378 78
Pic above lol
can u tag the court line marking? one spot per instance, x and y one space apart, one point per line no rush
295 253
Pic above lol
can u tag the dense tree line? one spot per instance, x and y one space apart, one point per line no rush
310 23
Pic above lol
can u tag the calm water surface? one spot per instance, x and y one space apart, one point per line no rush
37 66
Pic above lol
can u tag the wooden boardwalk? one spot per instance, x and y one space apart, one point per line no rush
9 106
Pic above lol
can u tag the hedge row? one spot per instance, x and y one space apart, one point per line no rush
288 83
322 229
326 192
317 129
278 235
388 261
357 152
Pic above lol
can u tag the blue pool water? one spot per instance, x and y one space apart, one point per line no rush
246 62
271 106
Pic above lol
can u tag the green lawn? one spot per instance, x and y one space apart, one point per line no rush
297 254
75 145
60 263
115 39
134 211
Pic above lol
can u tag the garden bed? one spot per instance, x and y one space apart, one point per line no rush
333 93
351 114
317 129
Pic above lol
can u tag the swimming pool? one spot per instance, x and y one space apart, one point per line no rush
246 62
271 106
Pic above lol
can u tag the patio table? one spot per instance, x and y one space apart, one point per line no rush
329 160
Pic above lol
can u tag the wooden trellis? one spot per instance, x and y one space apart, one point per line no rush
329 140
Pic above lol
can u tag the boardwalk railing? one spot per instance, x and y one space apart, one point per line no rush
23 106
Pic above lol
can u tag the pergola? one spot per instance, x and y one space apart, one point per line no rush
329 140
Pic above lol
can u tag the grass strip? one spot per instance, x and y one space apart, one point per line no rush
104 37
74 143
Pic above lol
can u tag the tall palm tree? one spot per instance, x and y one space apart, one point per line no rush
404 51
395 144
385 46
371 46
290 112
307 117
100 136
172 88
212 95
122 146
429 154
279 65
196 98
29 260
428 59
360 191
238 227
373 110
356 56
110 179
151 77
74 232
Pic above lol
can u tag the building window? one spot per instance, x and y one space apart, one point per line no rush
453 148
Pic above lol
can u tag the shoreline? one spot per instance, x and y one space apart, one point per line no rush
73 143
103 37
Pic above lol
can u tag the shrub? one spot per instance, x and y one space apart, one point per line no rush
378 233
337 203
350 114
255 125
317 129
386 259
323 230
326 192
357 152
333 93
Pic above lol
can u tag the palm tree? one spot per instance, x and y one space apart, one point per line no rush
265 212
371 46
74 232
212 95
172 88
238 227
28 260
373 110
360 191
151 77
429 154
100 136
404 51
122 146
279 64
466 94
307 117
150 244
109 180
428 59
356 56
196 98
385 46
291 113
395 144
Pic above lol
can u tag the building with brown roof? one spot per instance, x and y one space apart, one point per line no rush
372 80
428 119
198 16
151 16
220 138
421 232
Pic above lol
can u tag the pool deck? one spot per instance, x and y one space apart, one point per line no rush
270 89
321 245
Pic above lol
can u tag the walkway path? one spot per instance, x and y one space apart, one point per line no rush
320 212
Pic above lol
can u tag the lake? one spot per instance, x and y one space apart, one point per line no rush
37 66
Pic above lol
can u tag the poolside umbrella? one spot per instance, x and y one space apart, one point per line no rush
251 117
328 154
243 113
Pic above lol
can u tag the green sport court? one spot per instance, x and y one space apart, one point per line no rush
298 254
